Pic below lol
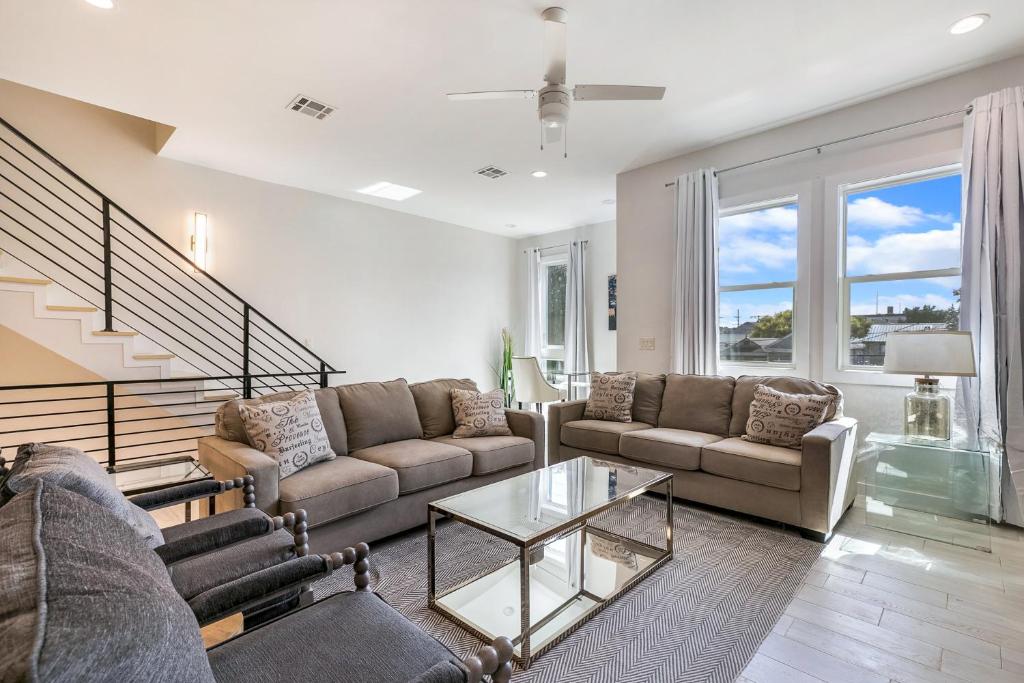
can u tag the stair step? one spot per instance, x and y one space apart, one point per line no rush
153 356
24 280
72 309
115 333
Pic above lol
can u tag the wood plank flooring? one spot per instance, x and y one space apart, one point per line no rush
887 607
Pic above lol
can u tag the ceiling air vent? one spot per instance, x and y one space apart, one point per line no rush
492 172
310 107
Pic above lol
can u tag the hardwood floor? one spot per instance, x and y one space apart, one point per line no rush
882 606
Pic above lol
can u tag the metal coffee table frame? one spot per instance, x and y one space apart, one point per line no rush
527 547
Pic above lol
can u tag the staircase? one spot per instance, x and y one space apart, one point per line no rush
81 276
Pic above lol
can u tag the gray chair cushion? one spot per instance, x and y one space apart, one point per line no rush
494 453
228 423
420 464
83 599
697 403
379 412
330 490
352 636
676 448
598 435
758 463
194 575
434 404
71 469
743 395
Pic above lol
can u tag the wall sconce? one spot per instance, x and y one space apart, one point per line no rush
200 241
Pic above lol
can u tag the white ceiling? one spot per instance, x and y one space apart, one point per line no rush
222 72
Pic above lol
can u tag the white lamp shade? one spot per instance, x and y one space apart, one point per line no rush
932 352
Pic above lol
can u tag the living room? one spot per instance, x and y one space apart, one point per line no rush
711 376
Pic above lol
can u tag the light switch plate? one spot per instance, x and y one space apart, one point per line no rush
646 343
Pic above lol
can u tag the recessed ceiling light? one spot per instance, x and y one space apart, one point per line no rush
968 24
609 202
539 174
388 190
510 225
102 4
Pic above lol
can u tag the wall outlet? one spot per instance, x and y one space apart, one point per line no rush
646 343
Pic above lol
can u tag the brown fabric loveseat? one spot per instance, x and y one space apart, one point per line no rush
395 454
691 426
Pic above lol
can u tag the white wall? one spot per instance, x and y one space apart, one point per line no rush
376 292
601 253
645 210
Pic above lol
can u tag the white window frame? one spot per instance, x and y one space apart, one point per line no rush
837 368
800 195
555 258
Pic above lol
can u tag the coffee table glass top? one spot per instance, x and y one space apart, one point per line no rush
531 506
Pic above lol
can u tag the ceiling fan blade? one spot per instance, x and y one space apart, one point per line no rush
493 95
617 92
552 134
554 44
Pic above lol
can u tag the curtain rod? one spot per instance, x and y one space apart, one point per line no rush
554 246
819 147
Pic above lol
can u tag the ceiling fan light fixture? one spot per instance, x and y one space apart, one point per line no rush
539 174
102 4
968 24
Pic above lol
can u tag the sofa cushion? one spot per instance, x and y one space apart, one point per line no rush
479 414
647 397
782 419
74 470
420 464
611 397
228 423
291 432
379 412
697 403
434 404
598 435
676 448
375 644
344 486
83 599
743 395
757 463
494 453
195 575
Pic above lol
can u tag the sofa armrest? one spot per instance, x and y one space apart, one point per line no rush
230 459
558 414
216 538
281 579
529 425
826 473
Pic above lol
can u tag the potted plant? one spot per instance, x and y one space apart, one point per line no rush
505 381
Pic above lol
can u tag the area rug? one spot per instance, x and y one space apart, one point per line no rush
700 617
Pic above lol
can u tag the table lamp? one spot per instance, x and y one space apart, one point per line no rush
928 354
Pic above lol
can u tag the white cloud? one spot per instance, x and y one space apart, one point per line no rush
741 254
872 212
775 218
904 252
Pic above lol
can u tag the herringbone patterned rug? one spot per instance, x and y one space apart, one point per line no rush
700 617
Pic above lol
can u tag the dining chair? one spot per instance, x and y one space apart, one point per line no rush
530 384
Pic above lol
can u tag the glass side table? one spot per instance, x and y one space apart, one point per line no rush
143 476
932 489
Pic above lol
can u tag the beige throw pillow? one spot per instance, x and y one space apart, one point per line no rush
611 397
479 414
292 432
782 419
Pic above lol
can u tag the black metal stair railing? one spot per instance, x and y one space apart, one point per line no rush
62 227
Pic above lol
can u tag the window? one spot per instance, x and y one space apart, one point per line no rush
757 274
553 271
900 260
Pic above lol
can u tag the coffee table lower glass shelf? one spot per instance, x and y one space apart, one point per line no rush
566 570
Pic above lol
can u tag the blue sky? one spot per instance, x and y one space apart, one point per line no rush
908 227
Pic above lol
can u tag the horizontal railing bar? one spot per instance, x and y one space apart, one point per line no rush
127 382
55 195
53 228
51 158
52 245
64 412
155 443
47 206
260 328
163 417
50 400
155 455
44 429
40 271
166 429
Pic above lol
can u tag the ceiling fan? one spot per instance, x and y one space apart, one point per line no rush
556 97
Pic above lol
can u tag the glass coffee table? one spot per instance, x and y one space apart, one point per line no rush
566 570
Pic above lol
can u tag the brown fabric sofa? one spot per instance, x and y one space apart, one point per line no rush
691 426
395 454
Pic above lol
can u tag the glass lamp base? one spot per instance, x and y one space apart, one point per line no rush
927 411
